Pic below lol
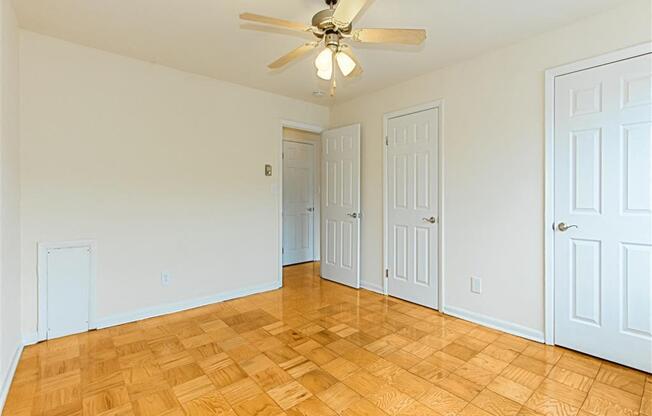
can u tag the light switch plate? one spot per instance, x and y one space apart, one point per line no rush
268 170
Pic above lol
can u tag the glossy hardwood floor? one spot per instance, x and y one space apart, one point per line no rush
317 348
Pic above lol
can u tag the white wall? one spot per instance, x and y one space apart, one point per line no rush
10 334
164 169
494 162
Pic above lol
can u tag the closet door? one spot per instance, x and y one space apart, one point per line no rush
603 211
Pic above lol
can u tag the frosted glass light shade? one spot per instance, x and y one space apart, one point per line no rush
326 75
346 64
324 64
324 61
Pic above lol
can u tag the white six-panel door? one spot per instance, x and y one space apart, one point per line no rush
340 213
603 170
298 202
413 207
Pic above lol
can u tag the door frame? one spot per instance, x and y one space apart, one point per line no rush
439 106
312 128
549 217
42 277
316 188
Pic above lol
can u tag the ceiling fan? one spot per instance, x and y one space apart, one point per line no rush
333 27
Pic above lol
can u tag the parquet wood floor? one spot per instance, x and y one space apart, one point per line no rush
315 348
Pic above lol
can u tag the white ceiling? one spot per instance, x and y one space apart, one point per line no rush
206 37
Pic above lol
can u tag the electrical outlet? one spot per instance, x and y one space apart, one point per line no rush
166 279
476 285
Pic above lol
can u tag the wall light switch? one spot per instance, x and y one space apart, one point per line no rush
476 285
268 170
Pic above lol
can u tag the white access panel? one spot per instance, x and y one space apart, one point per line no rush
68 290
603 211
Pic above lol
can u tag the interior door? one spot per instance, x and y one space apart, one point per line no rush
413 207
603 207
298 202
340 213
68 291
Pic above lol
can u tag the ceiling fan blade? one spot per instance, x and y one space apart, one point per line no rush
358 68
347 10
295 54
274 22
403 36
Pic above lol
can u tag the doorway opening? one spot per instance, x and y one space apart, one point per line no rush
319 201
301 155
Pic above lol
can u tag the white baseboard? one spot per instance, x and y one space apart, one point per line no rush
372 287
30 339
11 371
505 326
181 306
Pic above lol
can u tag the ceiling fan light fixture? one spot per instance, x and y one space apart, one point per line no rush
326 75
331 27
346 64
324 61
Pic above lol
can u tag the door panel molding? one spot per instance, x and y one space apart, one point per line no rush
42 276
549 216
437 105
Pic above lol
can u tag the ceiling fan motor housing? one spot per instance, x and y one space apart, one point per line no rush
323 20
332 40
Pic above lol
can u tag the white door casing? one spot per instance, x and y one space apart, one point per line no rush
298 202
68 290
340 212
603 191
412 207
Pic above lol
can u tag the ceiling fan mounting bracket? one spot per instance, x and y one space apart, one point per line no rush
331 3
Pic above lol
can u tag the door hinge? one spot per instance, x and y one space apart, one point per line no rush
386 140
386 273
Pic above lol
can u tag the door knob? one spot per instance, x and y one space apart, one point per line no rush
431 220
354 215
565 227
